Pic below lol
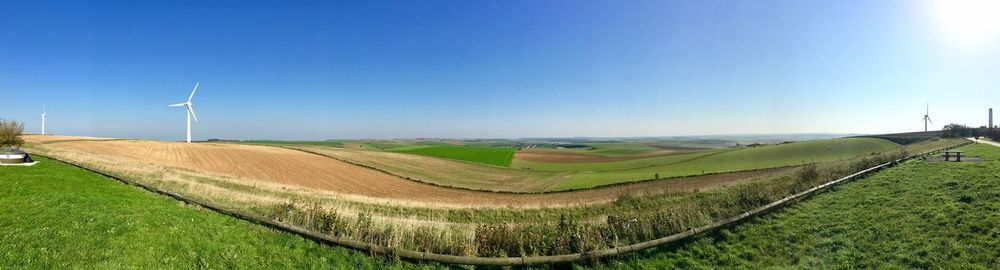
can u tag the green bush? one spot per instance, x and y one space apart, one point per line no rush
10 133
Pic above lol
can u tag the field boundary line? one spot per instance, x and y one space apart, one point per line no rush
514 261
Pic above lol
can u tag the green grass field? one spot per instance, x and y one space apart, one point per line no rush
494 156
53 215
620 148
792 153
716 161
923 215
613 165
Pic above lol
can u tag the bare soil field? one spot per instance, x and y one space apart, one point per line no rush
286 166
556 156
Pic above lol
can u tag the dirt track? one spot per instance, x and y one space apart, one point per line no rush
314 171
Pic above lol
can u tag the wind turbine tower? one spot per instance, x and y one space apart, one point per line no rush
43 120
927 117
190 111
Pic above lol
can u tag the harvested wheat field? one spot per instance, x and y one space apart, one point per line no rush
286 166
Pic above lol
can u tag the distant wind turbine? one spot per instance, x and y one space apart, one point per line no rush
43 119
927 117
190 111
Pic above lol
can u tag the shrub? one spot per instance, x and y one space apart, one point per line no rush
283 212
10 133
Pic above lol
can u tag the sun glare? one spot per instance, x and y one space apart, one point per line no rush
969 23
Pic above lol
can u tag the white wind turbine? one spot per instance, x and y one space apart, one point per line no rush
43 119
927 117
190 111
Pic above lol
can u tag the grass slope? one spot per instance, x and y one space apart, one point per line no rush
620 148
313 143
495 156
729 160
917 215
612 165
53 215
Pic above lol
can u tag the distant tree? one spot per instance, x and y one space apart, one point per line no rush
10 133
993 135
960 131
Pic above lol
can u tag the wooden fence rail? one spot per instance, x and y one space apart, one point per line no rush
511 261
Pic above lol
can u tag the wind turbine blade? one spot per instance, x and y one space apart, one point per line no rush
191 111
192 91
177 105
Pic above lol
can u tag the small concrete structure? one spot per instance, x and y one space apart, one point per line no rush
956 153
11 156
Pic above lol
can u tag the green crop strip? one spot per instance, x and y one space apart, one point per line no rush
494 156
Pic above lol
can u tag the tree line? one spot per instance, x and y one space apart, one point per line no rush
963 131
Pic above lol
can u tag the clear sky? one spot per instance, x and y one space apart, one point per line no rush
400 69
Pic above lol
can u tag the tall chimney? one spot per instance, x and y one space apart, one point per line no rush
991 119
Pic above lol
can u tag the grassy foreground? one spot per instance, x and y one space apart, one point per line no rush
53 215
917 215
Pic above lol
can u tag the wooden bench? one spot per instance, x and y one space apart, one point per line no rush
957 153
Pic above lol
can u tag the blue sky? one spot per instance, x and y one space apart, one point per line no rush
399 69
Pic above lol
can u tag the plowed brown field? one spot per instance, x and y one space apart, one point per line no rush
293 167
